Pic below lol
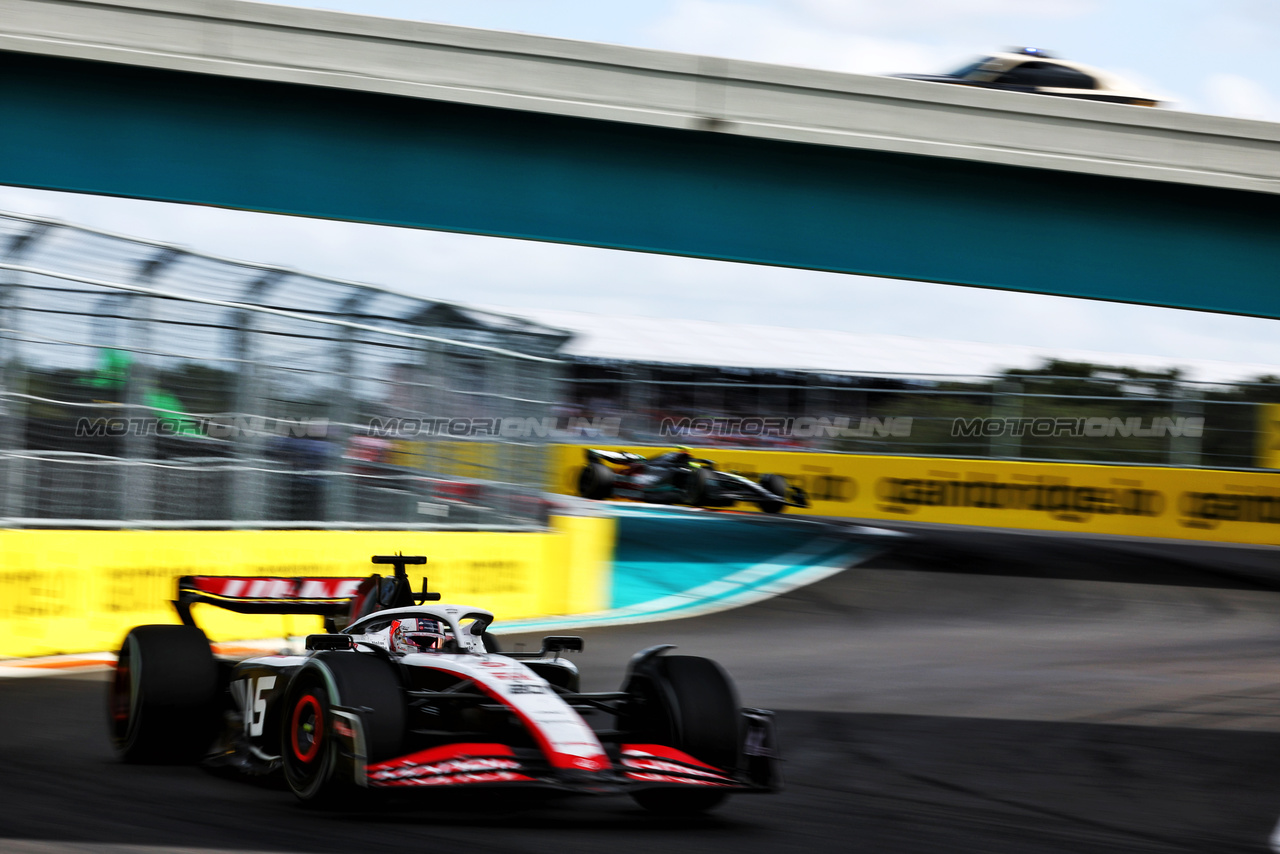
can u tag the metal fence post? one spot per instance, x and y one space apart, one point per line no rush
249 481
1006 404
638 397
13 409
339 494
551 381
138 497
432 407
138 494
1184 445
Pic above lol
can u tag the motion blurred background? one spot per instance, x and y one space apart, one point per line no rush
1028 652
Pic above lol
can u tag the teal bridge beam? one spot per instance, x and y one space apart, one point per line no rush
141 131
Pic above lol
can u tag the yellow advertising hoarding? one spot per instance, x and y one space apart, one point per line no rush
1194 504
80 591
1269 435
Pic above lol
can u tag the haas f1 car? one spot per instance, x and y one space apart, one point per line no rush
677 477
405 693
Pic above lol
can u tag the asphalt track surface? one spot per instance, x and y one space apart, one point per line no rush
965 692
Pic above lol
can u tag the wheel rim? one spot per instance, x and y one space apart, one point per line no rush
120 697
124 696
306 728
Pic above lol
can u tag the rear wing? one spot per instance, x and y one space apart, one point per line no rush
324 597
617 458
332 598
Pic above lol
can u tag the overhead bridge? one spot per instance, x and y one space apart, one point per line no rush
321 114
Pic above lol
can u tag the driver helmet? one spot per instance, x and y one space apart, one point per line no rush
417 634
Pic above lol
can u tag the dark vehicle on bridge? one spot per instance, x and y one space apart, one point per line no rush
404 693
677 477
1029 69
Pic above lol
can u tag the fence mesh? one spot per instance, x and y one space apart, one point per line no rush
1068 412
142 383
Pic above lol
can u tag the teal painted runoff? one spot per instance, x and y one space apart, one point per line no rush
673 563
663 553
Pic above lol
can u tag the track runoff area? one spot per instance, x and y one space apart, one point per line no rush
952 690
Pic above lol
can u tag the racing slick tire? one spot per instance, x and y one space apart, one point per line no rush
163 701
777 484
689 703
595 481
696 487
317 766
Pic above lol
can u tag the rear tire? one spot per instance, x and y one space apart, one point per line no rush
777 484
689 703
163 701
595 481
696 486
316 767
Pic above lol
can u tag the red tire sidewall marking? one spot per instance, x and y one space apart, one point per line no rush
314 747
122 699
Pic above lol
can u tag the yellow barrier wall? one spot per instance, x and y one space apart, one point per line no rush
1269 435
1193 504
80 591
459 457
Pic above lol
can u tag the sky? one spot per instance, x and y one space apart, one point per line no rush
1209 57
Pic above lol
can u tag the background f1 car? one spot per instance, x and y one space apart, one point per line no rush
677 477
373 706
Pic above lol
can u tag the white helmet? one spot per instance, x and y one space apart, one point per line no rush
417 634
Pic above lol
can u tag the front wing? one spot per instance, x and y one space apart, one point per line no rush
735 489
631 767
468 765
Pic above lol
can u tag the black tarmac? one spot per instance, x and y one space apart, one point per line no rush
968 691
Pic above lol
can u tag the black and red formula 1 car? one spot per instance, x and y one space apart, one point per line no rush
677 477
406 693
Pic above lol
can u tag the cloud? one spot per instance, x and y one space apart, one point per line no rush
862 36
1243 25
924 16
1241 97
770 34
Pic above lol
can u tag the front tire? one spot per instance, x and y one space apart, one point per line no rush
777 484
163 701
689 703
317 767
696 487
595 481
